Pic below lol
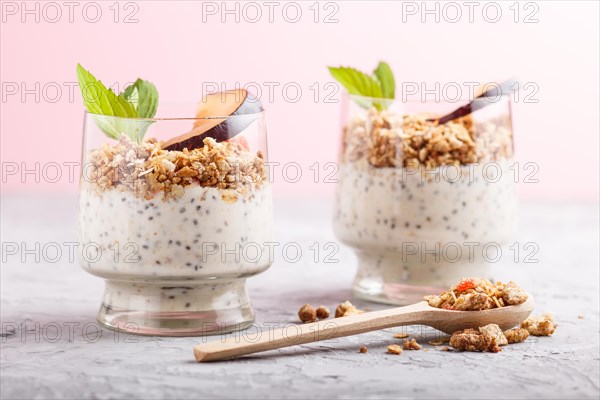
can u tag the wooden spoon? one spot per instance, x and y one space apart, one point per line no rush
478 102
421 313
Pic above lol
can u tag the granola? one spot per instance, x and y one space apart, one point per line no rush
439 342
542 325
411 345
345 309
322 312
401 335
307 313
516 335
394 349
363 350
473 294
494 331
474 340
512 294
385 139
147 170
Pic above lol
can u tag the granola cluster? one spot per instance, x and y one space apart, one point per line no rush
494 331
516 335
473 294
386 139
464 296
542 325
487 338
411 344
483 339
394 349
345 309
308 313
147 170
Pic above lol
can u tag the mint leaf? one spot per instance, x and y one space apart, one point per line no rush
100 100
381 85
356 82
130 94
144 96
384 74
138 100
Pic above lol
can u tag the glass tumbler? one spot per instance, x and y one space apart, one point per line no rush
175 232
422 204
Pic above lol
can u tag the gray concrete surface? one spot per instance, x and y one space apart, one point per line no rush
39 362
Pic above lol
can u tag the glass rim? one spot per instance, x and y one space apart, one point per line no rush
155 119
418 101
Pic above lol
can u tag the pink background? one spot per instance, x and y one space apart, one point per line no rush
173 47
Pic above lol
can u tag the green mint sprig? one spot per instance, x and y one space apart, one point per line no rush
379 85
145 97
139 100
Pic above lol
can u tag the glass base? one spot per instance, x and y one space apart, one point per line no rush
404 279
185 309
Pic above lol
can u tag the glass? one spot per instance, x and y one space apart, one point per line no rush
175 234
423 205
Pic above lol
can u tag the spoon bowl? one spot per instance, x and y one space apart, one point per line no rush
450 321
447 321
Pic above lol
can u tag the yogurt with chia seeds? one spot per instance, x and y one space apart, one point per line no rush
422 205
432 224
204 234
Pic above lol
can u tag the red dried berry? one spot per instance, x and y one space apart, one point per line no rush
465 284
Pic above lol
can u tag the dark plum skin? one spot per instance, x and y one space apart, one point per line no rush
245 114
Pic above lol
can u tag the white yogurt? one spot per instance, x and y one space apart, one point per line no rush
179 254
410 229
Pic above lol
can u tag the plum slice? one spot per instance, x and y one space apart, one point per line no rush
212 113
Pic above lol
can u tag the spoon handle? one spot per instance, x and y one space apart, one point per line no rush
254 342
480 101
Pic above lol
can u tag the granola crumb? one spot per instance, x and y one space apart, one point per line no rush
411 345
394 349
473 340
444 348
516 335
401 335
542 325
475 294
307 313
322 312
439 342
345 309
363 350
581 316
